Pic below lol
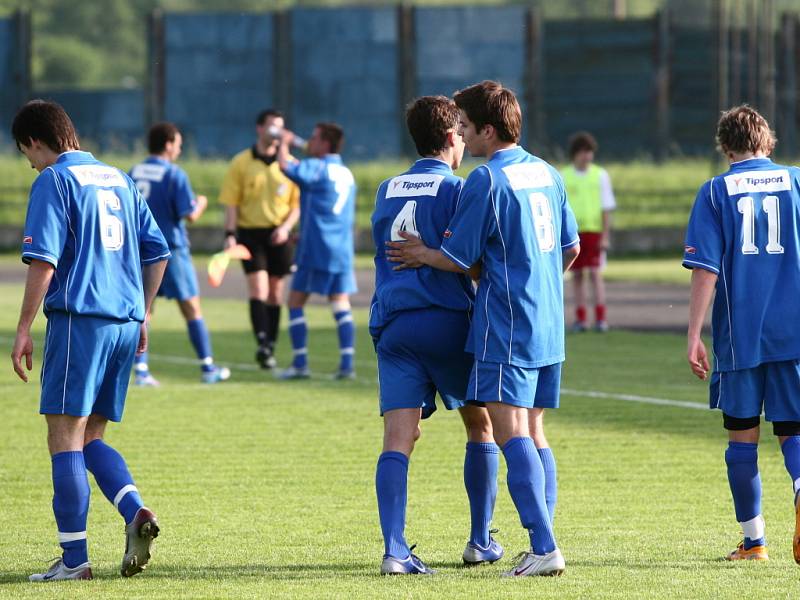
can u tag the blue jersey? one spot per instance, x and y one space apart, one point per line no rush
327 211
745 227
169 195
513 215
88 220
421 201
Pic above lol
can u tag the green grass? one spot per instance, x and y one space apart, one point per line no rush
648 195
265 488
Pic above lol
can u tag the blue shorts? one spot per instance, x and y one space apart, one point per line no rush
421 352
517 386
314 281
180 280
87 364
772 387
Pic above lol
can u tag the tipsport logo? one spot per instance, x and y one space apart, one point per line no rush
412 185
758 181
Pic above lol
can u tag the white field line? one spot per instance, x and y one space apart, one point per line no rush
183 360
633 398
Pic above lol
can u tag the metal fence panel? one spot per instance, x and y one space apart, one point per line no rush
345 69
218 76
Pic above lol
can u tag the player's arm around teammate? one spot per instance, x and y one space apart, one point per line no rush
419 321
512 212
86 224
262 207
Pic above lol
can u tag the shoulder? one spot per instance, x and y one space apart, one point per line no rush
242 158
480 176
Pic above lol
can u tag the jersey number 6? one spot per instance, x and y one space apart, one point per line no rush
111 228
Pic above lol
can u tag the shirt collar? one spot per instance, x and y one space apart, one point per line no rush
74 155
431 163
748 162
497 154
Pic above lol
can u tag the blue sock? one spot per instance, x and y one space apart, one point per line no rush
480 478
298 332
791 458
71 505
550 480
113 478
526 486
198 335
140 365
347 336
745 482
391 485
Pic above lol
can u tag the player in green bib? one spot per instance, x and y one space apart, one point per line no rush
592 200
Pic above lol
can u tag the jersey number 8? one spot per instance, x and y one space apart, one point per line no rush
543 221
111 228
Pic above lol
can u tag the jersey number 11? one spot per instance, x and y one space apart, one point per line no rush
771 206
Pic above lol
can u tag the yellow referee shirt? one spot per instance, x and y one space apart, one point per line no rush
261 192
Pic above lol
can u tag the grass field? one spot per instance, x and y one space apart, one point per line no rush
648 195
265 488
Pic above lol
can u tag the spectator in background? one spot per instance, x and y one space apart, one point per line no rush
592 200
262 206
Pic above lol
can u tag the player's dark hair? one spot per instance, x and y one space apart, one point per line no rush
742 129
267 113
581 141
489 103
159 135
47 122
429 118
333 134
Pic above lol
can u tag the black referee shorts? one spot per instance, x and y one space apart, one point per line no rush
275 260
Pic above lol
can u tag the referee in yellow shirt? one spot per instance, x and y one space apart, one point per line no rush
261 207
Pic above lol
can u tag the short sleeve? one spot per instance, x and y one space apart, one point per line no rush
183 200
704 243
152 245
47 221
569 226
607 200
305 172
231 192
473 222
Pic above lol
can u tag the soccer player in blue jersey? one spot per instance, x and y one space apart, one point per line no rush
743 241
166 188
96 257
513 216
324 254
419 320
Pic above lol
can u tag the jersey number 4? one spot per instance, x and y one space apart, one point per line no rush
405 221
112 232
771 206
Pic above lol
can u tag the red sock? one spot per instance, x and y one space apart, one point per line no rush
600 312
580 314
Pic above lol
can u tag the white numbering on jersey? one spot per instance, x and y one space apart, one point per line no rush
543 221
771 206
343 184
405 221
144 186
112 232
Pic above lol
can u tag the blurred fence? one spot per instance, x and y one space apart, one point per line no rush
647 87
